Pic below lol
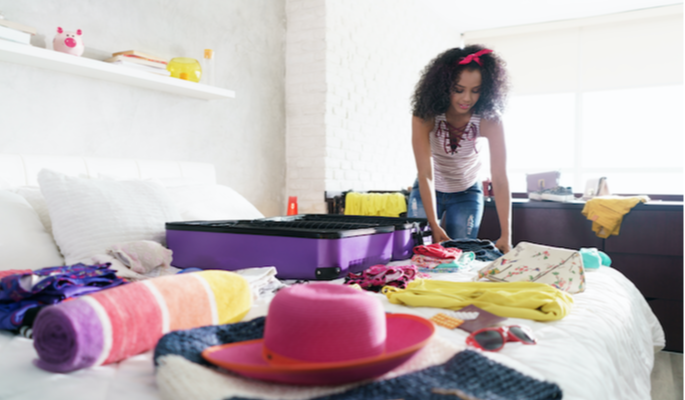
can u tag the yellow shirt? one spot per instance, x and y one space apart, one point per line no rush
606 213
528 300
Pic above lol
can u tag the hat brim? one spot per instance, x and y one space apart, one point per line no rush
406 334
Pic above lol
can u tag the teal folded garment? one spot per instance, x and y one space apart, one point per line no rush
593 258
463 262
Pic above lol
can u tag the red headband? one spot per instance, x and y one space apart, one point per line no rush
475 57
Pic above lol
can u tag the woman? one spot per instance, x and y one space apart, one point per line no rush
458 100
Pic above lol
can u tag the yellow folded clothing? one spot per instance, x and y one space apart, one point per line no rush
352 203
528 300
395 204
606 213
375 204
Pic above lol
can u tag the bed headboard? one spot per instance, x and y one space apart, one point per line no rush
22 169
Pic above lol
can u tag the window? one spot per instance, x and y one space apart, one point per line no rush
540 132
587 101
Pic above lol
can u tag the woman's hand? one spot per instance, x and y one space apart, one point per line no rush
439 235
503 245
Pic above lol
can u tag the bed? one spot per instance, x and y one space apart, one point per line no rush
604 349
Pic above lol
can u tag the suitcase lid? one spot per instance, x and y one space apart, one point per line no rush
398 223
289 228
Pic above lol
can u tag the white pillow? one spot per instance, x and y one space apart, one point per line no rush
5 184
33 195
90 215
177 181
24 243
211 202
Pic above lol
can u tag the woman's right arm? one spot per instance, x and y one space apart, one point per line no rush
424 164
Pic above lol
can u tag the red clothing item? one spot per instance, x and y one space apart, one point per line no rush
436 250
14 271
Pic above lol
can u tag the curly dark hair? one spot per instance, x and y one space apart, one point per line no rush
432 93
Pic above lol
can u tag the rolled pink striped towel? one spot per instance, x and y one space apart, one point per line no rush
114 324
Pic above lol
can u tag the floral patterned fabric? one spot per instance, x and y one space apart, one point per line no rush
23 291
376 277
530 262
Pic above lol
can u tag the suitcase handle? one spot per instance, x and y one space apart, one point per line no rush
418 234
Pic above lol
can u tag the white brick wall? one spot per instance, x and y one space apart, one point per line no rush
351 67
305 93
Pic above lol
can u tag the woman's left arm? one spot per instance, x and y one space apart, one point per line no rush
494 132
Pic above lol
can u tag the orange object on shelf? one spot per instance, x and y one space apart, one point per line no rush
292 205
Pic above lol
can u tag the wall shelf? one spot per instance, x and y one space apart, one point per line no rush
61 62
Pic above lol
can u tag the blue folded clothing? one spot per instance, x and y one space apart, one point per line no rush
190 343
468 373
484 250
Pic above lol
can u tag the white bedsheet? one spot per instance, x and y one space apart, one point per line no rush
603 350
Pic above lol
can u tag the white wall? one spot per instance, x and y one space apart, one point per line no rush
45 112
371 55
305 59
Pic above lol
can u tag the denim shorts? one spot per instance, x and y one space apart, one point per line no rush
459 213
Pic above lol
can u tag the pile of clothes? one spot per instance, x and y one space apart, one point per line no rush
483 250
435 258
24 293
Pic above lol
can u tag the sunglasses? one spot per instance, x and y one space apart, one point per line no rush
493 339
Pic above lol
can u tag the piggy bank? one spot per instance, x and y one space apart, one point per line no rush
68 42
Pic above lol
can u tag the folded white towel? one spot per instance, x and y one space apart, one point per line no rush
262 280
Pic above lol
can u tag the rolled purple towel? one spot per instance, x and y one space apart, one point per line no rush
111 325
69 337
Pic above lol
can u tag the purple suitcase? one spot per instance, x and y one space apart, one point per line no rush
409 232
298 249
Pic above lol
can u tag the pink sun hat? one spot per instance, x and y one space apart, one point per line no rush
325 334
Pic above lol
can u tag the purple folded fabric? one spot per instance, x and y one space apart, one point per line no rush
71 337
26 291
